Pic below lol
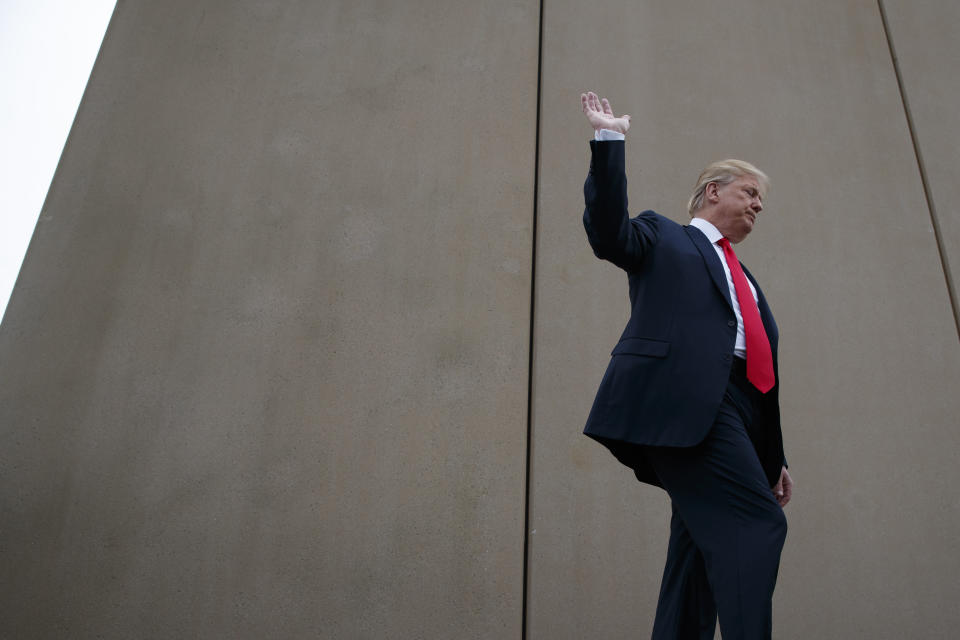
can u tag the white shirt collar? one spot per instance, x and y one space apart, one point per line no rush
712 233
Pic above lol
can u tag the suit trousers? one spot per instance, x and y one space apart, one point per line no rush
726 529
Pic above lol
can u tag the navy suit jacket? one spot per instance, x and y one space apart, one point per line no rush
669 371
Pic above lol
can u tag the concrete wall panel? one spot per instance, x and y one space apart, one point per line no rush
924 36
264 371
846 255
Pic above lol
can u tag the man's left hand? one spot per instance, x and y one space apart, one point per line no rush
783 490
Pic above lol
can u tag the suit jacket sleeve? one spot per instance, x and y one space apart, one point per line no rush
612 234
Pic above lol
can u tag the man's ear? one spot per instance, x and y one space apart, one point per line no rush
711 192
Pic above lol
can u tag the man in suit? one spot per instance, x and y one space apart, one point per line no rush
689 400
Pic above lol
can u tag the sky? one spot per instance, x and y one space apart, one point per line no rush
47 49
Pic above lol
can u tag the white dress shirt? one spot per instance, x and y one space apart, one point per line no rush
603 135
713 235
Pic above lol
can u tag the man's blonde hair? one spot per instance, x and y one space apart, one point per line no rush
724 172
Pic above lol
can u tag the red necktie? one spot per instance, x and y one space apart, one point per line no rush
759 358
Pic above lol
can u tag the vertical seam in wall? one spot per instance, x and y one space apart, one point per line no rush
931 208
530 360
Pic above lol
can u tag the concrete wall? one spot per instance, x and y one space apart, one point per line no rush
924 39
265 370
847 256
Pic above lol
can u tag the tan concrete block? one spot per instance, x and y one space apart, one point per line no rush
264 373
924 36
846 256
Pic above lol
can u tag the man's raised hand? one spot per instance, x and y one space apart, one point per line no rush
600 114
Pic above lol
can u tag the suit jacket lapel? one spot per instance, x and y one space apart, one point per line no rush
712 260
766 315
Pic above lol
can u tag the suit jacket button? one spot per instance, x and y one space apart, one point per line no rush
731 323
727 357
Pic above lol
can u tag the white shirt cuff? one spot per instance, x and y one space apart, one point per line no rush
604 135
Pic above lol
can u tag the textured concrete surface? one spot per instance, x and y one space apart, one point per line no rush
846 255
264 372
924 36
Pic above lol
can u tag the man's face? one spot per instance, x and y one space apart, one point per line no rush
737 207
